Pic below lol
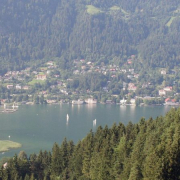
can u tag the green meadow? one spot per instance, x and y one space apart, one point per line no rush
34 81
93 10
7 145
170 21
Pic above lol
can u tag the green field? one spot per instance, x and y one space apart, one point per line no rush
170 21
34 81
6 145
93 10
114 8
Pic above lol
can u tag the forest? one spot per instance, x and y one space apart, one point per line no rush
143 151
34 31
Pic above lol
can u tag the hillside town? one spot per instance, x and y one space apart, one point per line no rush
48 83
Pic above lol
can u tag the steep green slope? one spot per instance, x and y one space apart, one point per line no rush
39 30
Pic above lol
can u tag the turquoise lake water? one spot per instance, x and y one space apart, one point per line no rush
37 127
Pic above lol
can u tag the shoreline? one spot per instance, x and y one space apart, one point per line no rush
56 103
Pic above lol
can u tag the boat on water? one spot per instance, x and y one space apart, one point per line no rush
67 117
94 122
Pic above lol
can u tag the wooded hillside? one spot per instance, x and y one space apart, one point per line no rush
93 29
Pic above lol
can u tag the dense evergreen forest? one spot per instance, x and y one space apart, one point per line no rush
36 31
148 150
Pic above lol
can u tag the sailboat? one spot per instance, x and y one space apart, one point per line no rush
67 117
94 122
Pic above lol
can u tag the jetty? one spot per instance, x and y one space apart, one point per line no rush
9 110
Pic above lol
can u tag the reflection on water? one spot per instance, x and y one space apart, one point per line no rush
52 124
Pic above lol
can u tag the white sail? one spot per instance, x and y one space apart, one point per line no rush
94 122
67 117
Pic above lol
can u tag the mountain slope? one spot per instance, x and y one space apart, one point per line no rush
97 30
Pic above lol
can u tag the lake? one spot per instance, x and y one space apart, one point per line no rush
37 127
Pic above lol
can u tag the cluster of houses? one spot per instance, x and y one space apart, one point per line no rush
164 91
80 67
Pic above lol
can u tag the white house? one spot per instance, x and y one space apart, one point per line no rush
9 86
162 92
123 101
18 87
91 101
41 77
168 88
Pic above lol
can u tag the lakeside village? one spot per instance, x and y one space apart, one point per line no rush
49 83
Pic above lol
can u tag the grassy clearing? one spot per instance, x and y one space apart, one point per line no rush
117 8
34 81
124 12
41 73
170 21
93 10
114 8
6 145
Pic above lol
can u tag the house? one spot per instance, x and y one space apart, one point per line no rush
105 89
91 101
56 75
82 60
51 101
109 102
89 63
48 71
133 101
42 92
50 63
131 70
129 61
130 76
10 86
162 92
78 102
132 87
113 76
34 72
168 88
163 72
41 77
43 69
83 67
123 70
28 69
18 87
136 75
123 101
5 165
171 102
76 72
25 87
